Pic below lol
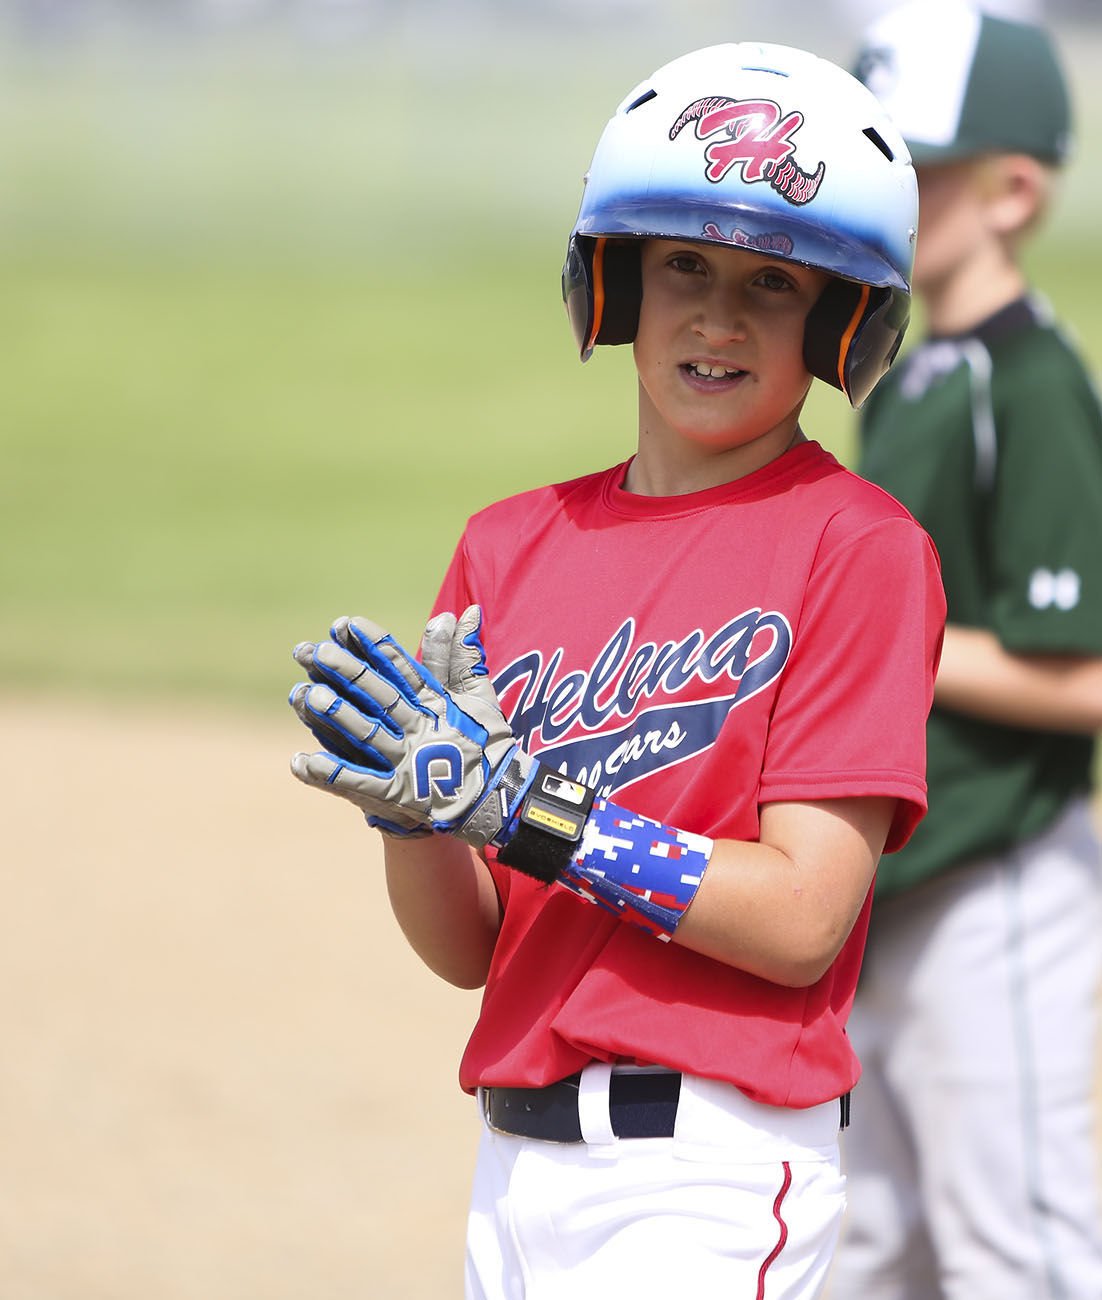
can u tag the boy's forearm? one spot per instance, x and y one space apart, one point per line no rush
980 678
781 908
445 902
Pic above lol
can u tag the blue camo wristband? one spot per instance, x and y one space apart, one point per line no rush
644 871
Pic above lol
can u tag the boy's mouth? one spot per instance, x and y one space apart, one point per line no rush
702 370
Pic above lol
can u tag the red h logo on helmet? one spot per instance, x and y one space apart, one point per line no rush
759 139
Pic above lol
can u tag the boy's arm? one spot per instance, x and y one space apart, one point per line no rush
1049 692
782 907
446 904
437 768
441 890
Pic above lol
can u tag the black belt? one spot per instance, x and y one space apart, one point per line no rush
640 1106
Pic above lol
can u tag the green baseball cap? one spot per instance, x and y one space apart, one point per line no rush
959 82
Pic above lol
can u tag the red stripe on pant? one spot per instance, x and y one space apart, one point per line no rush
786 1183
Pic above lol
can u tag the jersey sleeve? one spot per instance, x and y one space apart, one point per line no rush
1042 536
457 590
850 715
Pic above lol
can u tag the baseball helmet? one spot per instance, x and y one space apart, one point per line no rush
765 148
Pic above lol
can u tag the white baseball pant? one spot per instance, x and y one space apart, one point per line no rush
972 1161
744 1201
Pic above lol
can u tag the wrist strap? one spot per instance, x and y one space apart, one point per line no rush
489 820
544 834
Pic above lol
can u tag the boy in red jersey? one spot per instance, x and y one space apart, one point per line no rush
667 717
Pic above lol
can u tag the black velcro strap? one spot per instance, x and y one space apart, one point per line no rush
552 818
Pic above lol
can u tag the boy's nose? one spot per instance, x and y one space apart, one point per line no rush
723 316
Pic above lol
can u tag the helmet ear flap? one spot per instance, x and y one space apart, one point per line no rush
623 291
602 290
852 335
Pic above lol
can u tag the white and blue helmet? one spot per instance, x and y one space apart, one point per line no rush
766 148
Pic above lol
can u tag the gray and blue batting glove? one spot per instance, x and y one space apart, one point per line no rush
420 747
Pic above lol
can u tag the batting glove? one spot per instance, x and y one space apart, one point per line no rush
419 747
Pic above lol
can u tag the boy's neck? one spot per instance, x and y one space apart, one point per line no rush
974 293
662 474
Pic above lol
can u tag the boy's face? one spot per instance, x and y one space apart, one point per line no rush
952 221
719 349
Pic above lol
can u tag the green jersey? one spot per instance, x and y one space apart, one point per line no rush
993 441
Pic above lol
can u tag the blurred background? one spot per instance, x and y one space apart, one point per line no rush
281 309
282 304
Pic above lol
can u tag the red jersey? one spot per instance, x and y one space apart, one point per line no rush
694 657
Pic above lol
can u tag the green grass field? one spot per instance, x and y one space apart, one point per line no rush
272 331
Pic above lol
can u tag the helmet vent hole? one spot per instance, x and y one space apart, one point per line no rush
644 98
880 142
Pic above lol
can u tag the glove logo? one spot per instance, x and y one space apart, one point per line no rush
437 768
755 136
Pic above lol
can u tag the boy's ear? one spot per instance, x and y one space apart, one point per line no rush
1018 190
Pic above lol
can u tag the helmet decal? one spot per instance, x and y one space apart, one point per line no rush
766 242
756 137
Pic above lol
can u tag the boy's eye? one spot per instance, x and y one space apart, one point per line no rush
685 262
774 280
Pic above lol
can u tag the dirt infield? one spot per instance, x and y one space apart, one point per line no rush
225 1076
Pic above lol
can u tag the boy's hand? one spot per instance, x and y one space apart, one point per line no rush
418 746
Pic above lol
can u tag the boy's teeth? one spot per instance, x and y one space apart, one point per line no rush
712 372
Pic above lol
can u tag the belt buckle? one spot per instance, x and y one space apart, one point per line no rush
484 1097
